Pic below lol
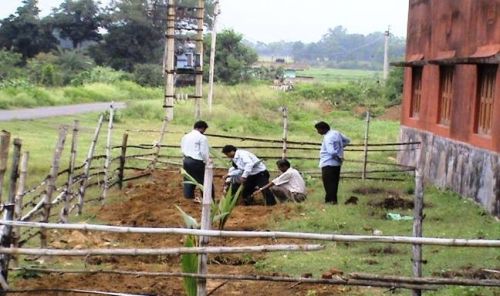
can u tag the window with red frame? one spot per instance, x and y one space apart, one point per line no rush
416 91
485 98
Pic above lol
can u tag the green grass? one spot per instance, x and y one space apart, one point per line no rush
252 110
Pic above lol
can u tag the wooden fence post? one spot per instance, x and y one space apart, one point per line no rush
107 162
72 159
4 155
88 162
51 182
417 226
6 236
365 149
284 109
18 209
122 160
205 225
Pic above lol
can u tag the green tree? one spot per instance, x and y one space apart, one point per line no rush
78 20
233 58
25 33
11 62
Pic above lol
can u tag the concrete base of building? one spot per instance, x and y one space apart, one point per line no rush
460 167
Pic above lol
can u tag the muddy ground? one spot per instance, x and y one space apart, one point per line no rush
151 203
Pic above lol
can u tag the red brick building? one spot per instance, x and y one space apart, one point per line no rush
451 98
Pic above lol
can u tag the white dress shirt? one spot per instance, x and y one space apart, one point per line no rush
195 145
248 163
291 180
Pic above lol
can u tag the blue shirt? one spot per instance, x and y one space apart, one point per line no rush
332 149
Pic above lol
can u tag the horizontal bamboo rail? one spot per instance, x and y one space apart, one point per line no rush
78 291
148 146
161 251
456 242
245 277
350 276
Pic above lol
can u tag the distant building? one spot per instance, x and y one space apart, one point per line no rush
451 96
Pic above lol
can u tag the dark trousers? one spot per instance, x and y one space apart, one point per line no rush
261 179
331 176
196 169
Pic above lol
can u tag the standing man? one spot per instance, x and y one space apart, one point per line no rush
289 186
331 156
254 174
194 146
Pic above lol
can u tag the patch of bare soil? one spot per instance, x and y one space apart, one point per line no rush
393 202
393 113
152 203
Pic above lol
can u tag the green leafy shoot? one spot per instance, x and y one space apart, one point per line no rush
223 209
191 180
189 264
188 220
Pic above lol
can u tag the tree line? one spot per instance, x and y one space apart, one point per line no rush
126 35
337 49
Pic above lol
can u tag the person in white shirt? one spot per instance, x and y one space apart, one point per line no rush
289 186
331 157
194 146
254 174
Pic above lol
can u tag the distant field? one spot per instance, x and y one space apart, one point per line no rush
339 75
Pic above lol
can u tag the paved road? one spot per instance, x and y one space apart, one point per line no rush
33 113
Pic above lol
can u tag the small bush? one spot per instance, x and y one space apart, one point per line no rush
148 75
100 75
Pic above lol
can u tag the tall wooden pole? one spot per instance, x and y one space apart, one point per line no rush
199 51
168 102
284 110
88 162
122 160
107 162
4 155
365 149
417 220
387 34
205 225
72 159
6 236
51 182
212 56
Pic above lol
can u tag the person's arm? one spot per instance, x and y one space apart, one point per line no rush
248 164
204 149
268 185
334 147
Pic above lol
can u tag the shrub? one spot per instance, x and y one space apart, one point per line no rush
148 75
101 75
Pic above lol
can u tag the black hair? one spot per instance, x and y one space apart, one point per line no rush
283 162
322 126
228 148
200 125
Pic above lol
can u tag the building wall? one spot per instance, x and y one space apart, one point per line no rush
439 29
455 155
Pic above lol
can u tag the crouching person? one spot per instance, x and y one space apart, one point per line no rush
289 186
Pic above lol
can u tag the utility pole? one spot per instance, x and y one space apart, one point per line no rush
169 59
386 54
199 51
212 56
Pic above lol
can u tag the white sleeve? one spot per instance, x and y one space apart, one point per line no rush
282 179
204 150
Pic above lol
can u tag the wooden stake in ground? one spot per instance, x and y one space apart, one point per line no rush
72 159
122 160
108 154
88 162
18 209
4 155
205 225
51 182
212 56
365 150
199 66
284 110
417 226
6 236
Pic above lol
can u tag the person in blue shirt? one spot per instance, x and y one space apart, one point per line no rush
331 157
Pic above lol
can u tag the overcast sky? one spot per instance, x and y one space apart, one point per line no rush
290 20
